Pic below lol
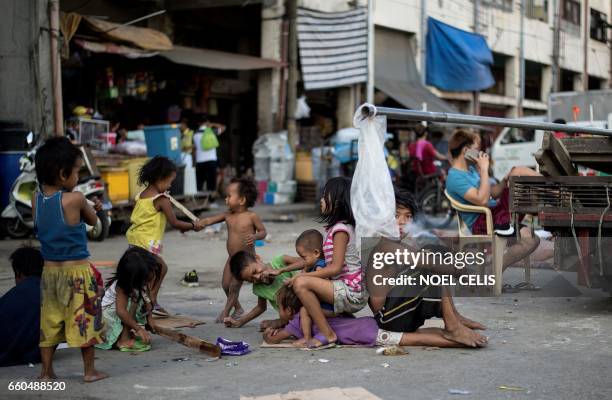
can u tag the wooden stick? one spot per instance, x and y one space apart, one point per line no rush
190 341
181 207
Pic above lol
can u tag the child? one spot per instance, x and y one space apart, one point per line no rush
152 210
309 246
70 308
398 309
20 310
244 227
345 290
353 331
246 266
126 306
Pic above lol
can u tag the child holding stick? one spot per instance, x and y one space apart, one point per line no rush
152 210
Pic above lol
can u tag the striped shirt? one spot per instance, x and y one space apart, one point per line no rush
351 270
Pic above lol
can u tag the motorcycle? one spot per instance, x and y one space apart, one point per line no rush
17 218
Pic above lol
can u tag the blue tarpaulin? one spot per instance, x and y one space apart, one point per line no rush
457 61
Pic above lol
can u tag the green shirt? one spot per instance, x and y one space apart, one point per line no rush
268 291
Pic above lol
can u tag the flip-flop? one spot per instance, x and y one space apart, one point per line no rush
325 344
137 346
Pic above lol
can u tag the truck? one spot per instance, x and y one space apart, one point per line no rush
516 146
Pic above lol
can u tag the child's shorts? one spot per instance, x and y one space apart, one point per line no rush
71 308
407 314
346 299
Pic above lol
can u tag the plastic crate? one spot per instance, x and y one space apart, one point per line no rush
118 181
164 140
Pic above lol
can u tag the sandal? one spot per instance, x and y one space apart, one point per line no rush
324 343
137 346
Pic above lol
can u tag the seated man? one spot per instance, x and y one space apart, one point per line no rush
468 182
249 267
360 331
20 310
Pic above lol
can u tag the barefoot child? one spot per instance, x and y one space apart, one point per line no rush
246 266
351 331
340 282
398 309
152 210
244 227
126 306
70 308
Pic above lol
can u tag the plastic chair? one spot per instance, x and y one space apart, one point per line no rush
498 242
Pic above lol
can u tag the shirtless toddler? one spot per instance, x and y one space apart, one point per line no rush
244 227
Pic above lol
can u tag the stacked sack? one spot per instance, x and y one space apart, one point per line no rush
274 164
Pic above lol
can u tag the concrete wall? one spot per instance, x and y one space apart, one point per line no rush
501 29
25 70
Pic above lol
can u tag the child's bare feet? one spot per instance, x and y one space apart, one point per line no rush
471 324
221 318
303 342
124 343
464 335
319 342
94 376
47 376
238 312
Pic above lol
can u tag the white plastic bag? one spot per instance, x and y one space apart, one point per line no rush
372 195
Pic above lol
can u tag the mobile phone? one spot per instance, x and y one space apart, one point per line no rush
472 155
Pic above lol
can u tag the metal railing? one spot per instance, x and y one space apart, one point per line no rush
369 110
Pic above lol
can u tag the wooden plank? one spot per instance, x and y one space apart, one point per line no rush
176 321
335 393
190 341
547 166
588 145
558 154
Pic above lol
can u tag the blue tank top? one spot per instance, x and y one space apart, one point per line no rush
58 240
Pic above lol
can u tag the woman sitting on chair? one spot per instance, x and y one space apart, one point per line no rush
468 182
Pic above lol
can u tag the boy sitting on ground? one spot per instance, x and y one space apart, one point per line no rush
400 310
351 331
246 266
20 309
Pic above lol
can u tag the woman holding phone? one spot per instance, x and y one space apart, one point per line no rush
468 182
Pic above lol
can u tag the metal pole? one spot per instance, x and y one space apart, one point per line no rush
463 119
475 97
423 38
519 105
370 88
293 74
56 69
585 43
556 70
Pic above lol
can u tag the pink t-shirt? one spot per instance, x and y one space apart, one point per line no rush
351 270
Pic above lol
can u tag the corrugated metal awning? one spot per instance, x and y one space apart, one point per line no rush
215 59
395 73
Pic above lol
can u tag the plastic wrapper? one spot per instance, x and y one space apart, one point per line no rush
372 195
229 348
